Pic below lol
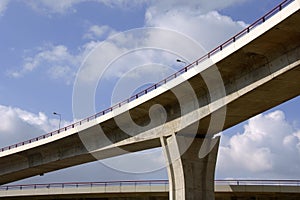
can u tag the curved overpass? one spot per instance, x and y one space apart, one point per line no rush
259 69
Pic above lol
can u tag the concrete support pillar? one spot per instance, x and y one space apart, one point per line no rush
191 166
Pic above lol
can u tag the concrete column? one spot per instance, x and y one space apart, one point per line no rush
191 166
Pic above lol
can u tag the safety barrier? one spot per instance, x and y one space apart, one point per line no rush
149 183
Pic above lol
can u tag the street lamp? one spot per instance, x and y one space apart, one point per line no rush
55 113
178 60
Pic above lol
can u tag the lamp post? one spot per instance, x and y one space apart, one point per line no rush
55 113
178 60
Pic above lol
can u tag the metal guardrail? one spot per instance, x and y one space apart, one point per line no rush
86 185
143 183
155 86
259 182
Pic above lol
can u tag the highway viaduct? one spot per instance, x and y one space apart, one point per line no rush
151 190
254 71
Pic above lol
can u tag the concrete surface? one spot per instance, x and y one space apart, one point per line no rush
190 177
258 71
151 192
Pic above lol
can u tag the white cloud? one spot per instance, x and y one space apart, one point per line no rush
97 32
205 28
52 6
126 4
178 33
208 29
129 60
3 6
268 147
58 6
61 7
57 60
193 5
166 36
18 125
189 30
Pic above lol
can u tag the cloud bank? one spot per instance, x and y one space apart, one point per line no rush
3 6
268 147
18 125
207 27
62 7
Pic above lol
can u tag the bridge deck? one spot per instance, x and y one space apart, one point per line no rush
263 59
155 189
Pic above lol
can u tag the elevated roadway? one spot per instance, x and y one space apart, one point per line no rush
250 73
154 190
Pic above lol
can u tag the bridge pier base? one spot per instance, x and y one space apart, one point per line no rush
191 166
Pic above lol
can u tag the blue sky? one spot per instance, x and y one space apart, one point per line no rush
44 43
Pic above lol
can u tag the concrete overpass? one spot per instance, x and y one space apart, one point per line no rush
153 189
253 71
